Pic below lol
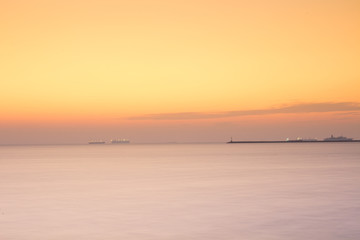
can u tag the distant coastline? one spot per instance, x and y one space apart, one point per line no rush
331 139
294 141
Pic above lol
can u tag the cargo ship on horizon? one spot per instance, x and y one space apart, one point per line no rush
338 139
112 141
120 141
96 142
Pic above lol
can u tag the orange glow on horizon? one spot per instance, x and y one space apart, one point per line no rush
104 62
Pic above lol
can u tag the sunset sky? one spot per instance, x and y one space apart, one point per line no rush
178 71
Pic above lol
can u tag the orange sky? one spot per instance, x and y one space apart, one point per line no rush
107 67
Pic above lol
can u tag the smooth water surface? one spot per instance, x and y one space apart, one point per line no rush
180 191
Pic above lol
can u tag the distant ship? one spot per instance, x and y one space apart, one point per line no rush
96 142
119 141
338 139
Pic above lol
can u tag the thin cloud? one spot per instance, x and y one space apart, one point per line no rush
348 113
296 108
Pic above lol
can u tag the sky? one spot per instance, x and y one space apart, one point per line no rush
178 71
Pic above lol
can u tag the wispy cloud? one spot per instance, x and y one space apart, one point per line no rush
295 108
349 113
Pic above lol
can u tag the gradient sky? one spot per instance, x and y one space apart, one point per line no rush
185 71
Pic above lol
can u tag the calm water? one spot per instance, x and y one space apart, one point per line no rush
179 191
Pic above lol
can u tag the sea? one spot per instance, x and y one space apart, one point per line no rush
284 191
